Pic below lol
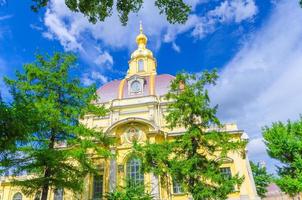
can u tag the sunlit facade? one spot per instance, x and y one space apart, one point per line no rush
137 108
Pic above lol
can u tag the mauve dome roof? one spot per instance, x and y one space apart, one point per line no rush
110 91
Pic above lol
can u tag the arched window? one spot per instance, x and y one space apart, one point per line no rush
140 64
134 171
58 194
17 196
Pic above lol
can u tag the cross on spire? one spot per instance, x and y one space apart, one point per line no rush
140 27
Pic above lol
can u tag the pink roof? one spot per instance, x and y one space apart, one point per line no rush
162 84
110 90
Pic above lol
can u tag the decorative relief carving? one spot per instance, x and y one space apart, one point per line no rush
132 134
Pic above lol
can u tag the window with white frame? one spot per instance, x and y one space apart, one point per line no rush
17 196
134 171
97 187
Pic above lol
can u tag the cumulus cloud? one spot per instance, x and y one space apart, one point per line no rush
93 77
262 83
104 59
236 10
227 12
73 29
94 42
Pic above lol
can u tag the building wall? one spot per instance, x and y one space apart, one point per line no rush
145 115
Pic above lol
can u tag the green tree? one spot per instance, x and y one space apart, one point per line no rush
261 177
284 143
176 11
194 158
59 101
15 123
131 191
7 122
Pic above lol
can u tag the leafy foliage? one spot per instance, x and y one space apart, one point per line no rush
131 191
177 11
58 102
9 129
261 177
193 158
284 143
15 124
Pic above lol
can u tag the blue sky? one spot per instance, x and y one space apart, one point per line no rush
255 45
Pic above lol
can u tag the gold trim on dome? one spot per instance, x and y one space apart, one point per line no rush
121 89
152 84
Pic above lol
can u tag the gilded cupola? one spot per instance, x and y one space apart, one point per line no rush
142 61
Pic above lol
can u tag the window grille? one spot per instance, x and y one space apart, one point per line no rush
97 187
134 171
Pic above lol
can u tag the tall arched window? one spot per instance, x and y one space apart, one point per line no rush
134 171
17 196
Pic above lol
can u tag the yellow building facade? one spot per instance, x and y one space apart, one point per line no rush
137 108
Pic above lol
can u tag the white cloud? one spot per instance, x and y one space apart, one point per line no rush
227 12
236 10
58 28
93 77
36 27
104 59
74 31
4 17
263 82
86 80
176 47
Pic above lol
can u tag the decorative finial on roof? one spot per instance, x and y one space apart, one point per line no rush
141 39
140 27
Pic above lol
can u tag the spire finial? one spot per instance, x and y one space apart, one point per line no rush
141 39
140 27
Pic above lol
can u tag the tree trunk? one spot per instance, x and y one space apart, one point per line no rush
46 185
47 172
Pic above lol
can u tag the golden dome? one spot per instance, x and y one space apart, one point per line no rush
141 41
